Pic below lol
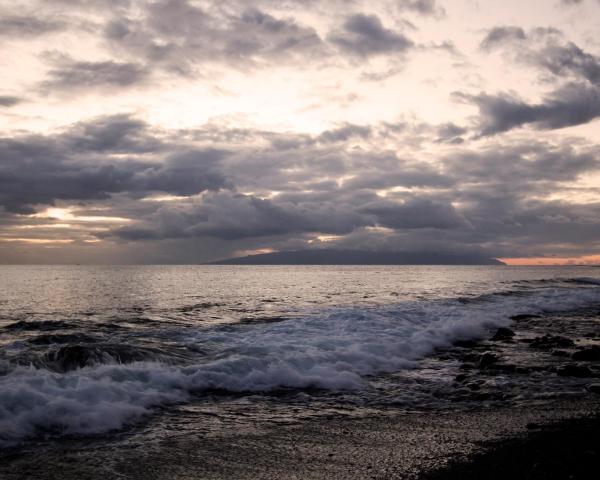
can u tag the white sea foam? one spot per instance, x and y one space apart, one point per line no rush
331 351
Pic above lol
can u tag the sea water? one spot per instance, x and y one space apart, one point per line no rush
95 349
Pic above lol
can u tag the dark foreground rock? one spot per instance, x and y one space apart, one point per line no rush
574 370
487 359
591 354
548 342
568 450
503 334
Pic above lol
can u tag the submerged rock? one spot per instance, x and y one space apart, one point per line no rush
575 370
41 325
72 357
524 316
503 334
588 354
548 342
594 388
487 359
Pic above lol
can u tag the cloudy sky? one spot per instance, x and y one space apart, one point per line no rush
175 131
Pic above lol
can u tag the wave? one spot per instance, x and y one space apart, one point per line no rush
338 350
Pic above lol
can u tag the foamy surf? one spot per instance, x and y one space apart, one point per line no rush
337 350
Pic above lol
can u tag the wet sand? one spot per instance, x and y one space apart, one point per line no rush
376 445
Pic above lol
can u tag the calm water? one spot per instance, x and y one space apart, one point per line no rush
87 350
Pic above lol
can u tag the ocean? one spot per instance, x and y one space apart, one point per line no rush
102 352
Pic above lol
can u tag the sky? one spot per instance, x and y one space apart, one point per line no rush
185 131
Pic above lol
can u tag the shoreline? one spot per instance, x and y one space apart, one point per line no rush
231 443
569 449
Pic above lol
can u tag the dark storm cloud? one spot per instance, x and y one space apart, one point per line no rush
77 166
18 26
68 74
572 104
9 100
489 198
230 216
112 134
514 165
415 213
423 7
364 36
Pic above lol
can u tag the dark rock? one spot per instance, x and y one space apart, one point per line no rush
72 357
504 367
487 359
466 343
460 378
559 353
574 370
482 396
524 317
594 388
41 325
50 339
591 354
503 334
199 306
548 342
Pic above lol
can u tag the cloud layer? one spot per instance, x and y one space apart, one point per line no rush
191 130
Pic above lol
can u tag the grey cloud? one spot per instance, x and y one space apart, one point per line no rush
546 48
573 104
423 7
450 133
9 100
365 36
344 133
177 34
112 134
569 58
231 216
28 26
499 36
77 166
68 74
415 213
473 198
514 165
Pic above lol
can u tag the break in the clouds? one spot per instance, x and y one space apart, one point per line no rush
192 130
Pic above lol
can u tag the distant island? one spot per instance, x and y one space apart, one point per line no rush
358 257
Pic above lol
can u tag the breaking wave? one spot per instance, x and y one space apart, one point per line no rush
336 350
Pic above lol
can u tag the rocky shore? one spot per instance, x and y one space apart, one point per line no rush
522 404
565 450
